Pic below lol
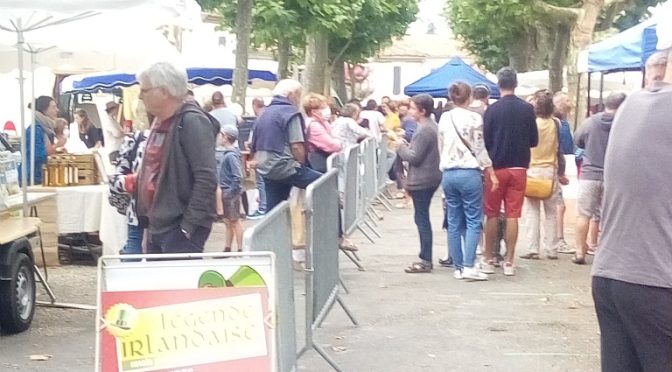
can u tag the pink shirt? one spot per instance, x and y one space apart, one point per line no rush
319 136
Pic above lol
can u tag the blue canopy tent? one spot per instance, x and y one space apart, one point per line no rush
625 51
437 82
196 75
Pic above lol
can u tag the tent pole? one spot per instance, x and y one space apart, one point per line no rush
24 171
33 108
588 105
578 100
601 92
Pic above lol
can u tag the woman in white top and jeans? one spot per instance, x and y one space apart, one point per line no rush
463 159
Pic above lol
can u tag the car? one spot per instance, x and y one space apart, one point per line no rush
17 282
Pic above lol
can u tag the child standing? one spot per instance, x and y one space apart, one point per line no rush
230 182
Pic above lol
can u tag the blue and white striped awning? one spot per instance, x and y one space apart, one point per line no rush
196 75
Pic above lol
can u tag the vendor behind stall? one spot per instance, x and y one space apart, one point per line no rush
88 133
46 142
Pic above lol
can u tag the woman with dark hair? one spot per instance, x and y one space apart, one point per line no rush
46 142
424 176
547 163
463 160
88 133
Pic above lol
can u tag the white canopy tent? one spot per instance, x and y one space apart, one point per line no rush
24 18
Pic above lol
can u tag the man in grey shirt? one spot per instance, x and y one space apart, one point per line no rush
632 272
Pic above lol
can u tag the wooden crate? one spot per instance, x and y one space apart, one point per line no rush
88 177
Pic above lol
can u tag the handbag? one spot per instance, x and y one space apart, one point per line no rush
539 189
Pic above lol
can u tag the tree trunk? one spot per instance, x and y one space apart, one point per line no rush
353 82
283 58
243 32
338 76
518 54
581 37
317 55
558 56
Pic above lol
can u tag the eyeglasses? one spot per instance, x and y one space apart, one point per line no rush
147 90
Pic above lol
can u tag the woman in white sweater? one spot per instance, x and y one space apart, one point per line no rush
463 160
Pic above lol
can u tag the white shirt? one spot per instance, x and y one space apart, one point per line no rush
376 120
454 153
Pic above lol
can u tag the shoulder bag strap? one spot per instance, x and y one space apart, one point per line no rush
464 142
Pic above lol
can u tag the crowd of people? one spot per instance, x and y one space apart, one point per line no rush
493 162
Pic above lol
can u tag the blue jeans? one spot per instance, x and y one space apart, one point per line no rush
421 201
261 186
278 190
134 241
463 189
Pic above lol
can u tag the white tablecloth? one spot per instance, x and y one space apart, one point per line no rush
86 209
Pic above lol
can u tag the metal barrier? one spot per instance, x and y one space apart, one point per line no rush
351 193
322 268
368 186
273 233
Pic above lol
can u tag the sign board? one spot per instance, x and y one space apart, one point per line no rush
202 315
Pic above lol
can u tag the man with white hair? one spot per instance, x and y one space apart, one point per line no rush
278 144
632 270
655 68
177 180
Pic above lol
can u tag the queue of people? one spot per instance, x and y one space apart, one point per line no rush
503 158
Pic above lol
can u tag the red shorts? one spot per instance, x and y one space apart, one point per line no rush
511 190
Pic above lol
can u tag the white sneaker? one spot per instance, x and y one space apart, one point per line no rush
509 269
486 267
563 248
472 273
457 274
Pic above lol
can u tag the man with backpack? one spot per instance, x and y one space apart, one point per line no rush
177 180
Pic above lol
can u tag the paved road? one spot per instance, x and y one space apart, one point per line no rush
540 320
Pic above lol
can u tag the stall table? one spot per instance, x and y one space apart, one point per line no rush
85 209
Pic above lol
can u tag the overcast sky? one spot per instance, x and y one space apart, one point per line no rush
431 11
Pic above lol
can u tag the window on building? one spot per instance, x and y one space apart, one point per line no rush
396 89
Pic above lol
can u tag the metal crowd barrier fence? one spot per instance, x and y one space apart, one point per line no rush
367 152
322 267
273 233
351 193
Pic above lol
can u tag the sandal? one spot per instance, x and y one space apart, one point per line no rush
579 260
530 256
399 195
418 268
591 251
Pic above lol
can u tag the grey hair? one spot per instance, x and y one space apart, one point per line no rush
166 75
286 87
657 59
350 110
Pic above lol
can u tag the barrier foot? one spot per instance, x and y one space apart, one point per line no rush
375 213
355 261
327 358
370 218
347 311
375 232
366 234
340 281
383 200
